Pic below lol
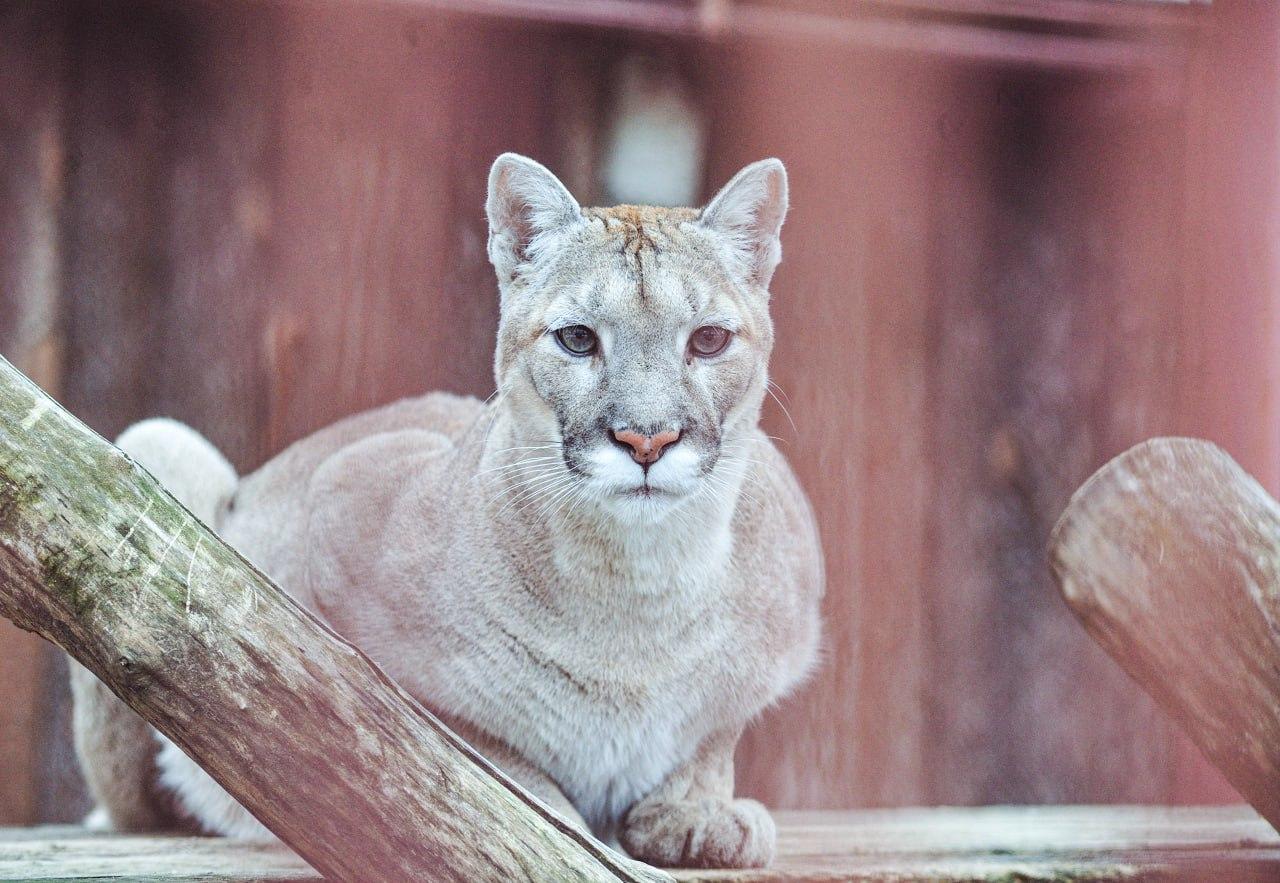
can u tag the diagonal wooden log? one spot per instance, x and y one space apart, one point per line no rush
295 722
1170 556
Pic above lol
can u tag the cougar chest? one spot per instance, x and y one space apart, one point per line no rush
616 722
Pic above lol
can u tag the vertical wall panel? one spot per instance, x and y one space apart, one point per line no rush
31 74
1053 353
1229 374
218 226
1230 254
976 324
380 280
850 304
125 61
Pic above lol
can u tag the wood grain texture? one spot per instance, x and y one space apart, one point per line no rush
1170 556
851 367
214 225
387 124
32 69
1229 370
979 303
1046 360
1057 33
122 60
1079 843
296 723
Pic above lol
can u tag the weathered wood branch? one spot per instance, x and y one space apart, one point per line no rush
295 722
1170 556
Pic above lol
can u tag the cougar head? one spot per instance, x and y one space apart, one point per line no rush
634 341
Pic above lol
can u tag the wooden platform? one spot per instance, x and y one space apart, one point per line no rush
991 844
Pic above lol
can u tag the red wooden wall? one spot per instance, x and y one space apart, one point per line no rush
1025 235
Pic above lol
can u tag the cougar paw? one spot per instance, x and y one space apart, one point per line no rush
701 834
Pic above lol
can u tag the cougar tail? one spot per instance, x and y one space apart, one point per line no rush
186 463
117 749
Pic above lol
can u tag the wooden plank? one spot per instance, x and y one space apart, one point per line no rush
1064 33
128 73
32 69
216 224
70 854
1136 14
1056 329
21 663
979 303
381 284
1079 843
850 362
1228 372
122 58
1230 376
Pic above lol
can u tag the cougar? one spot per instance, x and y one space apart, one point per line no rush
598 577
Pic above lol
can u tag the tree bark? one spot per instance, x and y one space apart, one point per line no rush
296 723
1170 556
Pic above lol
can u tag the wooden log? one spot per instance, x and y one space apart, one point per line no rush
295 722
1170 556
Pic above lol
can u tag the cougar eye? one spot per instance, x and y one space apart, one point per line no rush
577 340
709 340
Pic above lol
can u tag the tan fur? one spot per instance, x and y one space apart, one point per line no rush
601 630
117 754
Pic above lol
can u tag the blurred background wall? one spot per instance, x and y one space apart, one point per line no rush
1025 234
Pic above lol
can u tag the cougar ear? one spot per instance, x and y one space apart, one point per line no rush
526 202
748 212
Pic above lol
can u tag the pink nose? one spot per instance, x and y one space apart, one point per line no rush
646 449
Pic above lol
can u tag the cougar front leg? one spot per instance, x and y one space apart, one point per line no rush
117 751
692 821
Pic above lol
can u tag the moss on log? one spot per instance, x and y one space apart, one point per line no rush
295 722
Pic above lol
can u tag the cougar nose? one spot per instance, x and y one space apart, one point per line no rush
646 449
